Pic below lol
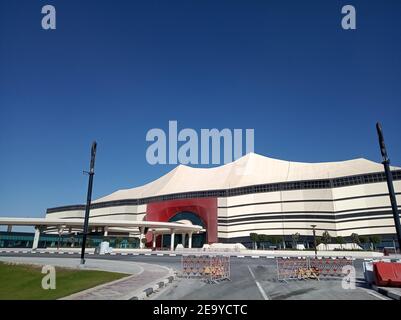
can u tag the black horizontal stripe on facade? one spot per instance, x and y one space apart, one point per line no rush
307 200
307 221
261 188
236 217
284 218
303 229
315 220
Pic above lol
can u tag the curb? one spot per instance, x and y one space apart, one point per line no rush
177 254
157 286
386 292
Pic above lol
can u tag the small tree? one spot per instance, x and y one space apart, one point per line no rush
281 241
363 240
263 238
340 241
326 238
254 238
275 240
375 240
295 238
355 239
269 239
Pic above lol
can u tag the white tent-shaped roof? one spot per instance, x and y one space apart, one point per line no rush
251 169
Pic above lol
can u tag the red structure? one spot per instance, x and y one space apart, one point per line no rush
387 274
204 208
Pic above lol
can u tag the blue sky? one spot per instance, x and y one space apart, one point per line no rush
112 70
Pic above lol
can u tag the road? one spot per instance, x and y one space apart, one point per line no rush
251 279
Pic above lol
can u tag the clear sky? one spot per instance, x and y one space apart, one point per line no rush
112 70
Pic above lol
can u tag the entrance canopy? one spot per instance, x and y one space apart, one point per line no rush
45 222
41 224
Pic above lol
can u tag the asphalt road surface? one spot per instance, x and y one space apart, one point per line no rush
251 279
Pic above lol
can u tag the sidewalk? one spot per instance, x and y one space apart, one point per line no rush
133 287
144 278
393 293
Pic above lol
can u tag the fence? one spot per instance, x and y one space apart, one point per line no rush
302 268
209 268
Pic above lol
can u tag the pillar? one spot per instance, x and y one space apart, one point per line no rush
190 240
36 238
105 231
141 230
154 240
60 232
9 228
172 240
183 239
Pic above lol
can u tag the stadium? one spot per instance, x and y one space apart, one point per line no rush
254 194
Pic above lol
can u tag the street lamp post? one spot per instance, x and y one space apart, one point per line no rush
88 200
389 178
314 238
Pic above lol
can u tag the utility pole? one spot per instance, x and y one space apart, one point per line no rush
88 200
314 238
389 178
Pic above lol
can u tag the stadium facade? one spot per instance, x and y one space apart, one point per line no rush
257 194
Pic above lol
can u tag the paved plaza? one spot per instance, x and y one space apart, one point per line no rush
251 278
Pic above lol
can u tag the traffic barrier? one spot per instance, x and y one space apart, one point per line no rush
302 268
368 272
329 267
289 267
387 274
209 268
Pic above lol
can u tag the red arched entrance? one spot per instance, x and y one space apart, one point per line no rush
205 208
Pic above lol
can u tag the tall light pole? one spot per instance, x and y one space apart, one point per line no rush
389 178
314 238
88 200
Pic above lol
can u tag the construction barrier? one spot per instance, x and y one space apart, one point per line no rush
289 268
330 267
209 268
387 274
302 268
